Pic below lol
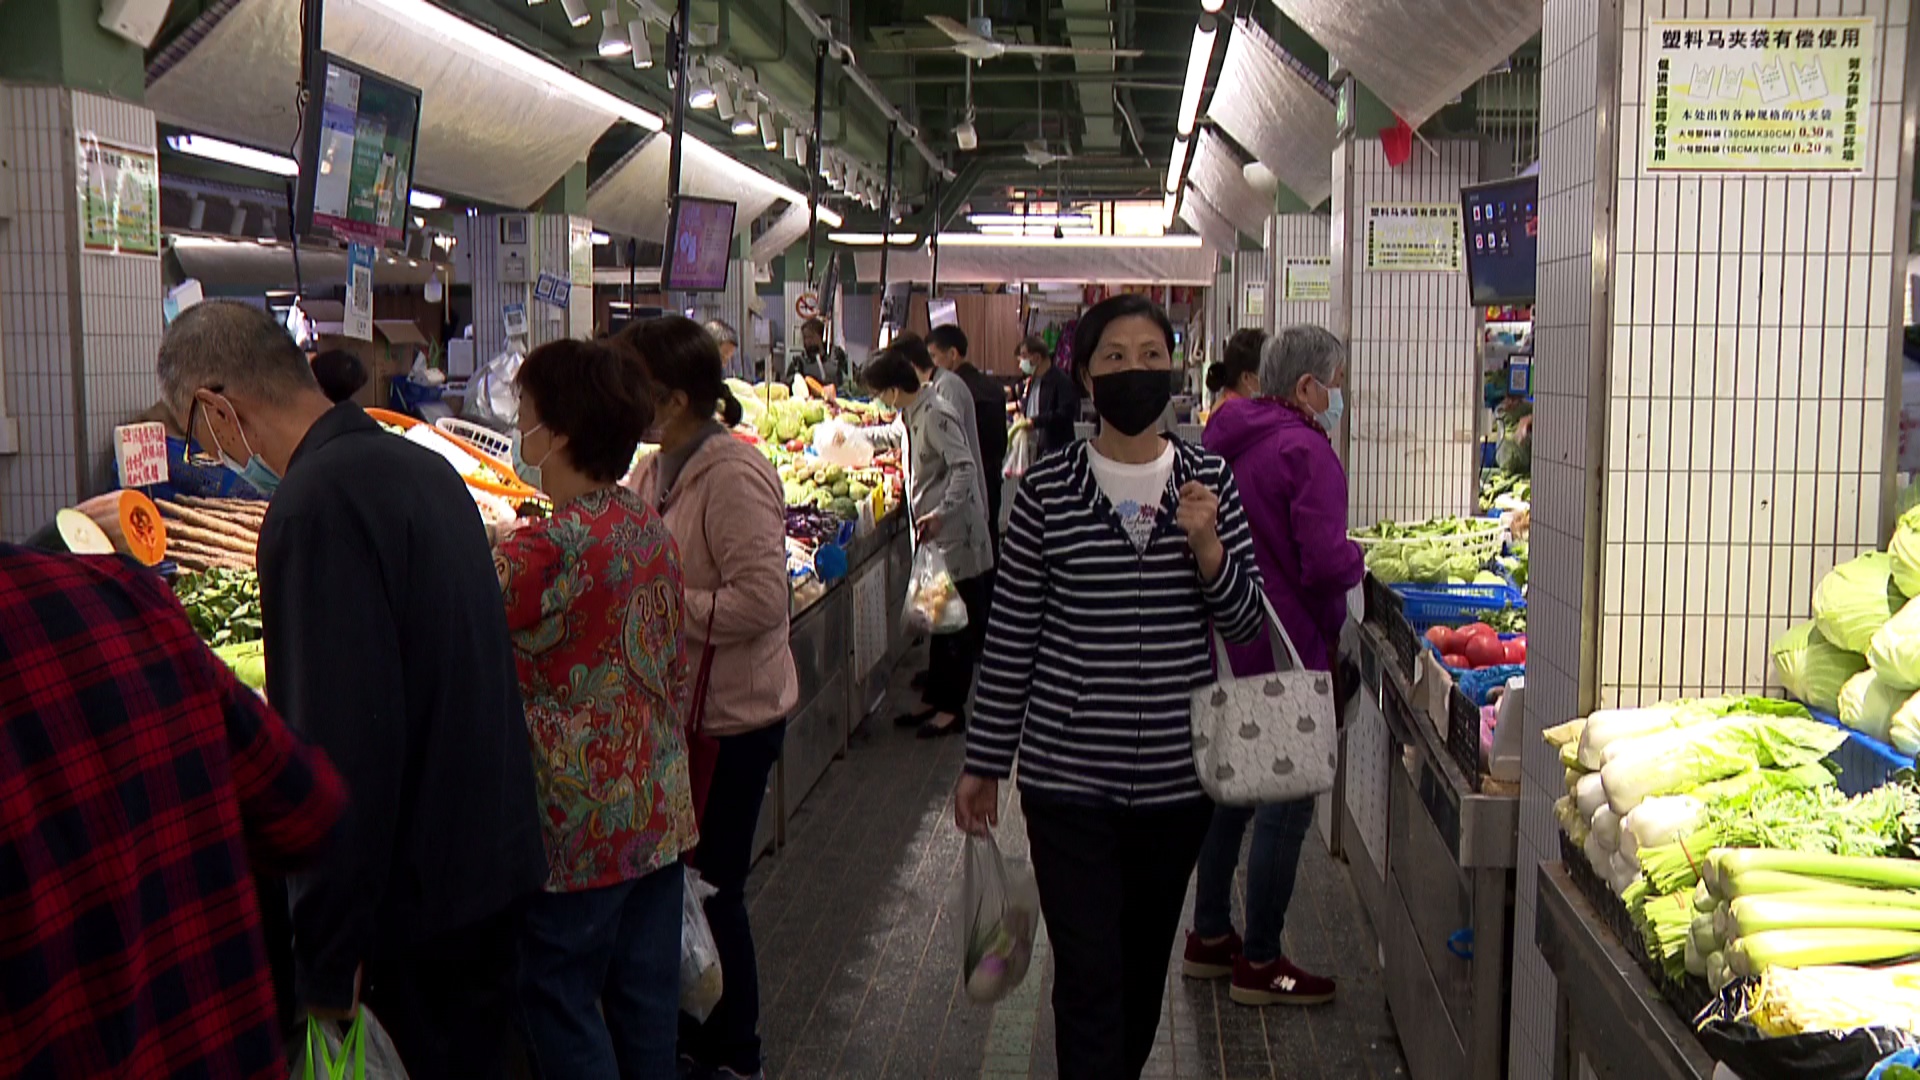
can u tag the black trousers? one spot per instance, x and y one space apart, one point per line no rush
1112 883
951 657
730 1037
447 1002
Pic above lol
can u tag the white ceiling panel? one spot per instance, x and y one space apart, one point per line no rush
1277 112
1417 55
631 197
1209 222
1059 260
1217 172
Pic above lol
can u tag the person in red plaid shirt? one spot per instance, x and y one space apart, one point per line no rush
138 778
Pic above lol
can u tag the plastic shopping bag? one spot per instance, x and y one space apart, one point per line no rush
700 985
1019 451
933 603
999 909
492 398
362 1051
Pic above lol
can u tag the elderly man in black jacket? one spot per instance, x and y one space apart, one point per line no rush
386 645
948 346
1048 398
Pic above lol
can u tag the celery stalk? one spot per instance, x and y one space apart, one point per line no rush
1755 953
1758 914
1860 870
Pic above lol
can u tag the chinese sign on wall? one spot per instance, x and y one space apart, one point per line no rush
1308 278
1762 95
140 453
1253 303
1414 236
119 198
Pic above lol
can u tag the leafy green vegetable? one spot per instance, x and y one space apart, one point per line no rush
1867 704
1904 550
1812 668
222 605
248 660
1855 600
1895 651
1683 759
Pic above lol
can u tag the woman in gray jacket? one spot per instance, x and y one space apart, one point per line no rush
944 496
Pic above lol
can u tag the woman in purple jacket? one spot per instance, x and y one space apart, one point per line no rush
1295 492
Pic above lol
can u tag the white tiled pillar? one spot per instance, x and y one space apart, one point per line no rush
1412 442
78 333
1712 358
1299 236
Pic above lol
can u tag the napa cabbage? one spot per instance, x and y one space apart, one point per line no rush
1812 668
1855 600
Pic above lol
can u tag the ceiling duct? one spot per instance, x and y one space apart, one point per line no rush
785 231
1270 103
1210 223
631 197
1096 99
1059 261
1217 171
487 130
1413 58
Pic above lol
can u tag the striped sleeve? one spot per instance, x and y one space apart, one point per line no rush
1233 598
1013 641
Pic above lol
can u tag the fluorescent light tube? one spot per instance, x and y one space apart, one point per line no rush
212 149
577 13
1184 241
1177 165
1197 62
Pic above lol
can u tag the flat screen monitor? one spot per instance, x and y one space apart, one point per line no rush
1503 239
942 312
701 231
356 159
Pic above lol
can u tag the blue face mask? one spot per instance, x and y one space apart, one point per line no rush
528 473
255 472
1336 408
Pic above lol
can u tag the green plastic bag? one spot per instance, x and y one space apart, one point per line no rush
362 1052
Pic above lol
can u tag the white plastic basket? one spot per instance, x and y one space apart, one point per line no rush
487 439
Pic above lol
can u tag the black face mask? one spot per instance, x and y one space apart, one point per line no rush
1132 400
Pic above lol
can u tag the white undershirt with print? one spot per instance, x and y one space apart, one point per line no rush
1135 491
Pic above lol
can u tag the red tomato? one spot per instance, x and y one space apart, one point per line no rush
1485 650
1456 661
1479 629
1517 651
1443 638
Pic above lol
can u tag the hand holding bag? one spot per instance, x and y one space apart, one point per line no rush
1266 739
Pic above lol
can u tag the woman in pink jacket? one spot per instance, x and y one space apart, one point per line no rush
723 504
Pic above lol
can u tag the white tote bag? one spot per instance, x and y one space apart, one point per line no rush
1266 739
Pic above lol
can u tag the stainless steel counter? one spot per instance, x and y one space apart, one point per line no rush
1611 1023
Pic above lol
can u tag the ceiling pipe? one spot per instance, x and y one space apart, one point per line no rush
1118 78
822 32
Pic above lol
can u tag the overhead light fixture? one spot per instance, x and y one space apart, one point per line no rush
826 165
203 146
866 239
792 140
827 217
747 120
1212 7
1177 165
1197 63
238 223
1171 204
637 40
577 13
1184 241
445 28
601 239
723 100
769 131
425 200
1034 220
613 37
966 136
197 216
700 93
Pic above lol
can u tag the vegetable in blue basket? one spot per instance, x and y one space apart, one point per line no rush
1812 668
1855 600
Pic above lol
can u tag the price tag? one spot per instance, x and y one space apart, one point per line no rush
140 450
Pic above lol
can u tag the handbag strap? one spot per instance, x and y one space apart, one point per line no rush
697 707
1277 637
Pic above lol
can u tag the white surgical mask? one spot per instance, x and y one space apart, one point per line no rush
1026 366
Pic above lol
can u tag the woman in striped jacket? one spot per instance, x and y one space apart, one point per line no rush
1121 552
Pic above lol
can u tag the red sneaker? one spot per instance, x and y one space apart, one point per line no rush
1214 960
1278 983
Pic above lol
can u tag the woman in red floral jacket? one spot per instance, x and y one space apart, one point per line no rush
594 601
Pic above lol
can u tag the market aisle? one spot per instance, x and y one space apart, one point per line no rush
857 951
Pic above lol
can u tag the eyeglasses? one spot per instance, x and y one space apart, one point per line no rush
195 454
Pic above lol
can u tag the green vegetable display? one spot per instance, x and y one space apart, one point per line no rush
248 659
1855 600
1812 668
222 605
1904 549
1439 552
1499 484
1868 702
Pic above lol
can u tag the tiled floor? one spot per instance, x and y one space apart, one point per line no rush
858 951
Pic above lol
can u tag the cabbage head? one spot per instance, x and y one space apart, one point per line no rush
1904 731
1895 652
1855 600
1387 563
1867 705
1904 550
1812 668
1465 565
1427 563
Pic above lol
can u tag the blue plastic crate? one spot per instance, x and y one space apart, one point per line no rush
1477 683
204 481
1431 605
1865 762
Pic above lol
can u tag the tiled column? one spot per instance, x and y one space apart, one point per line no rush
1414 383
1712 367
78 332
1299 236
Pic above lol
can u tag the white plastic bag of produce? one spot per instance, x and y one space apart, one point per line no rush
491 397
999 914
933 604
700 985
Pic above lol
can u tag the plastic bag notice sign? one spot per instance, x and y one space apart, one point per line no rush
358 322
119 197
140 451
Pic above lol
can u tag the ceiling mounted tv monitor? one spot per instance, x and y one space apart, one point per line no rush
700 244
1503 240
357 156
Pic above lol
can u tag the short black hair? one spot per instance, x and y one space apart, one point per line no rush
1035 345
1086 335
680 354
914 348
597 395
949 336
340 373
1240 358
815 325
890 369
